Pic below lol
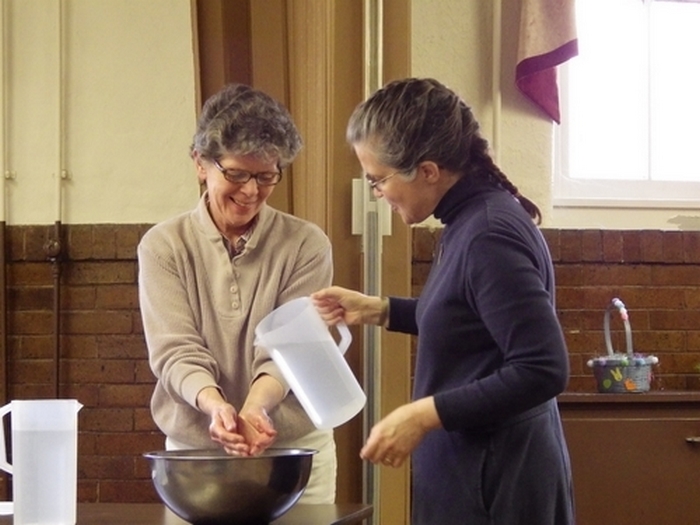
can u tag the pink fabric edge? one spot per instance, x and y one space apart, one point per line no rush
535 77
553 58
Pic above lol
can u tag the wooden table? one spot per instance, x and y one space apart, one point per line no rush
157 514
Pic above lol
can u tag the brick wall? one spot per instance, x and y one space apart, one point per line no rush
655 273
103 355
104 359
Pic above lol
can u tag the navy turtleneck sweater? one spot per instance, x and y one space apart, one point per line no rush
490 347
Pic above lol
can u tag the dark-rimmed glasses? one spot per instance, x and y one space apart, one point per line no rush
236 176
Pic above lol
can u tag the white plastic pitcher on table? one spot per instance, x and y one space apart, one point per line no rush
301 345
44 460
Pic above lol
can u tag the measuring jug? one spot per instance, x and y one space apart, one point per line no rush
301 345
44 460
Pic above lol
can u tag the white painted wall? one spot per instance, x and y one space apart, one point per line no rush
452 42
130 108
129 92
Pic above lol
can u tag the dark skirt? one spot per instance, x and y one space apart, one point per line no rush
516 474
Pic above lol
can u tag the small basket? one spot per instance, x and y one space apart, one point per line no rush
617 372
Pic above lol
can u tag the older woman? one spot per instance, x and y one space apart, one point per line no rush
483 429
208 276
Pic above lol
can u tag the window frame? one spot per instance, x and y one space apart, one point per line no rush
570 192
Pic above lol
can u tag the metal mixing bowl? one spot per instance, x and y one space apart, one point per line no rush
210 487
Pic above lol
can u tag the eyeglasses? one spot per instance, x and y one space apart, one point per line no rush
377 184
236 176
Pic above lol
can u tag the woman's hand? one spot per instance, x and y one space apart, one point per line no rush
223 428
253 421
336 304
393 438
257 428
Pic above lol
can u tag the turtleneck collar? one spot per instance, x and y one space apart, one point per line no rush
464 190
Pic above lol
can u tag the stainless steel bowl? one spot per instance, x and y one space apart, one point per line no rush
211 487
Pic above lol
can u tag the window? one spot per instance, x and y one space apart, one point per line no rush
630 132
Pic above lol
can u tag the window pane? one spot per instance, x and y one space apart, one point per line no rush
608 92
631 107
675 91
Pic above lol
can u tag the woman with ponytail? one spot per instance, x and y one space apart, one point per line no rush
483 429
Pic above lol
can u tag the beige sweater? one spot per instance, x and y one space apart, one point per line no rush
200 310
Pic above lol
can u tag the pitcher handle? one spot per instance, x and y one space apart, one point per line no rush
345 337
4 465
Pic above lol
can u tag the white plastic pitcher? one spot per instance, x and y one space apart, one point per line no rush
44 460
301 345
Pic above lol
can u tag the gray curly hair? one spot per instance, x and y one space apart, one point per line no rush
241 120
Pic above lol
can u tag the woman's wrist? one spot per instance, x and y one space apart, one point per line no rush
265 392
209 399
384 312
426 414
